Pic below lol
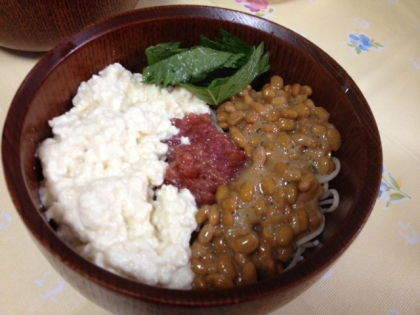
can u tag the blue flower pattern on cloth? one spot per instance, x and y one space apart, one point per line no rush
325 278
391 190
5 220
50 285
409 234
362 43
416 62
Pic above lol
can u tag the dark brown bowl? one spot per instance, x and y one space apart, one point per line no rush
38 25
47 92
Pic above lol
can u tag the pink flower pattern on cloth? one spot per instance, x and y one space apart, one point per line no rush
258 7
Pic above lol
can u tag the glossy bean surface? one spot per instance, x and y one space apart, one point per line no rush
251 232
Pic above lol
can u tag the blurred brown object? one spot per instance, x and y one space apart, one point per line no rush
38 25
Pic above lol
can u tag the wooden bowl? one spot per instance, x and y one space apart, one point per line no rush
48 90
38 25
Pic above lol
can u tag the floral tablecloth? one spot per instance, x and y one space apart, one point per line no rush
378 43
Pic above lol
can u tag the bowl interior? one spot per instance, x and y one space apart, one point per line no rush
49 88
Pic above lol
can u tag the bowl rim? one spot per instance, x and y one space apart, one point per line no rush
282 283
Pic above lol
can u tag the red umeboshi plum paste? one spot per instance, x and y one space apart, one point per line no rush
209 160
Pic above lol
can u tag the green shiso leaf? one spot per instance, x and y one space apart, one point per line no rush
189 66
162 51
214 71
224 88
230 43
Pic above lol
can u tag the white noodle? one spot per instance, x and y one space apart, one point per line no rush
333 202
304 240
214 120
296 257
329 197
315 243
326 178
305 243
326 193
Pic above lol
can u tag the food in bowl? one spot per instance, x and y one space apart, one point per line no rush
106 189
49 88
101 171
210 158
264 218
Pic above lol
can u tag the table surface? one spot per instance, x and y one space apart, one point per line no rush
378 43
